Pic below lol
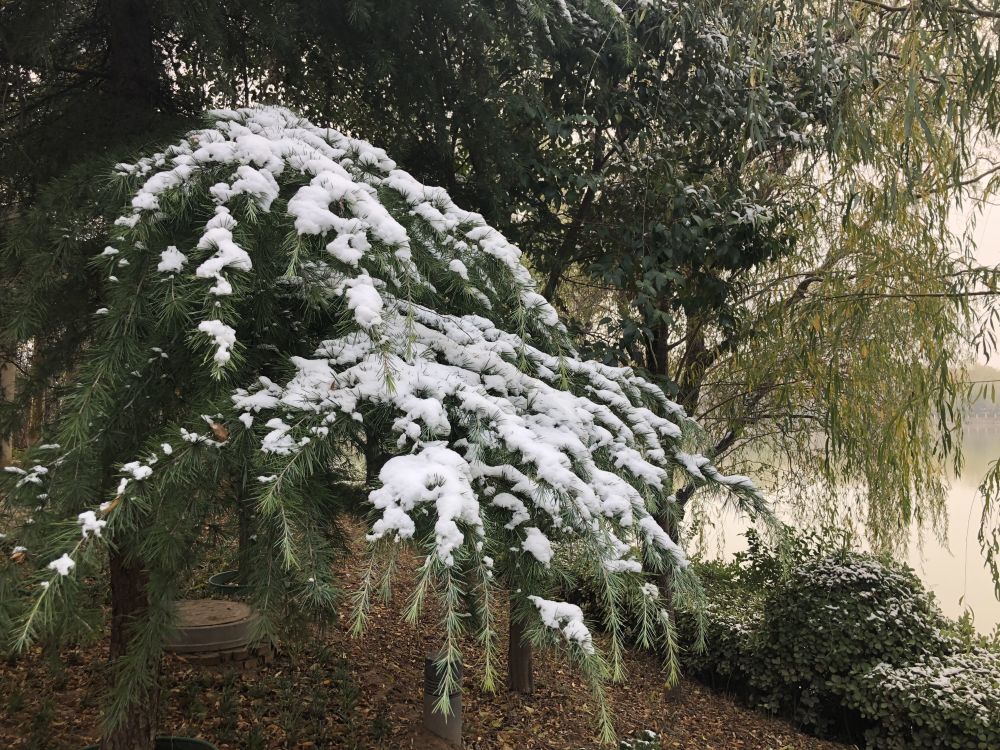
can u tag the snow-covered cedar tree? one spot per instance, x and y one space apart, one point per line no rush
283 306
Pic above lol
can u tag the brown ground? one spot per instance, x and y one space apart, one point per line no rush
338 692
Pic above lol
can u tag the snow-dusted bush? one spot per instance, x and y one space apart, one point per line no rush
282 301
831 621
728 657
847 645
938 702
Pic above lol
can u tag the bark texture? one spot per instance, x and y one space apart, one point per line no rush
520 675
6 394
129 600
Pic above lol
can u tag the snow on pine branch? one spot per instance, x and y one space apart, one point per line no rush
418 309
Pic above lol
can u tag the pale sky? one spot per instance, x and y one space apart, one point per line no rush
987 238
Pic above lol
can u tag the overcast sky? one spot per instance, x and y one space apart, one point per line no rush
987 237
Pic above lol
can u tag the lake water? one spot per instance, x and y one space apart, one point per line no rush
956 572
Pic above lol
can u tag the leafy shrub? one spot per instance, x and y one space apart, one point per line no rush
963 631
732 615
939 702
728 657
735 602
846 643
833 620
763 565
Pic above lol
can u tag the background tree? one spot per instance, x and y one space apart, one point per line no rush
802 280
665 165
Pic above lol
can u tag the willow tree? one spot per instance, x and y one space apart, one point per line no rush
779 249
279 302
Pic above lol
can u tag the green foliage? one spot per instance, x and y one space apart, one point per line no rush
765 563
834 619
950 701
846 645
422 349
732 196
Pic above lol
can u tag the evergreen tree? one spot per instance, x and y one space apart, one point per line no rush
284 308
666 165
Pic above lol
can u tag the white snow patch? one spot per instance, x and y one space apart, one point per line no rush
62 565
90 523
436 475
172 260
225 338
537 544
565 617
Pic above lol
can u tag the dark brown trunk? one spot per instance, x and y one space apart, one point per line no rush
6 394
137 729
520 675
132 66
657 354
375 456
691 373
669 523
36 419
244 515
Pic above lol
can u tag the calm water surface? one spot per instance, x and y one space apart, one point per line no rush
956 571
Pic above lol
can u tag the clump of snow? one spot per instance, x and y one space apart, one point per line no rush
278 440
90 523
218 235
519 513
365 301
34 475
436 475
258 183
62 565
655 534
172 260
565 617
225 338
137 470
537 545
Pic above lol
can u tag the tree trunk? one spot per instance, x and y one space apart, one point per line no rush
691 373
129 599
36 419
244 517
520 676
132 66
6 394
375 456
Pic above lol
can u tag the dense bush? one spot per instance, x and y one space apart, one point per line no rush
731 616
848 645
831 621
946 702
845 644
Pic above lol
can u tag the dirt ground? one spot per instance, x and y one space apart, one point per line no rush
334 691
